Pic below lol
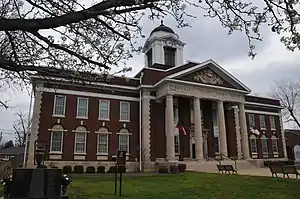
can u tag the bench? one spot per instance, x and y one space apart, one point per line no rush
290 170
284 169
275 169
226 168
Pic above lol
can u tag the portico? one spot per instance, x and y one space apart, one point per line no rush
196 92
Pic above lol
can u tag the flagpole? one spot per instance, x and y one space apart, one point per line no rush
27 130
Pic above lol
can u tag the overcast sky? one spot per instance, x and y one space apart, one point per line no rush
206 39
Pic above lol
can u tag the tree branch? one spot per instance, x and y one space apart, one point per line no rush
72 17
82 58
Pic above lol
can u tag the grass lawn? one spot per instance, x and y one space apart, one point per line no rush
188 185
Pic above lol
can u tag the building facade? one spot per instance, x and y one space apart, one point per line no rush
86 123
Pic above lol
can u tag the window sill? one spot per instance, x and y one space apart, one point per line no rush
254 153
263 129
79 153
104 119
55 153
60 116
82 118
124 120
114 156
102 154
273 129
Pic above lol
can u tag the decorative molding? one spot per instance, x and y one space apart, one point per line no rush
35 121
88 94
262 112
200 92
207 76
238 133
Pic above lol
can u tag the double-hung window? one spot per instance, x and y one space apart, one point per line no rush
82 107
104 109
59 107
124 111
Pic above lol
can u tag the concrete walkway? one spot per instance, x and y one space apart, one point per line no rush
254 172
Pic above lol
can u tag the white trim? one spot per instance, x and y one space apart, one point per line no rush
87 108
261 104
199 84
88 94
54 105
120 119
91 83
61 143
262 112
205 63
54 130
75 131
107 143
108 111
98 132
79 153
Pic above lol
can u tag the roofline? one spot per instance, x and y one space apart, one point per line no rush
92 83
210 61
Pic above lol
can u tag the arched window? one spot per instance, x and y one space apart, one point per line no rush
124 137
56 144
275 144
102 141
264 142
80 140
176 141
253 144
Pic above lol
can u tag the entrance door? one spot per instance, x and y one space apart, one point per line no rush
193 151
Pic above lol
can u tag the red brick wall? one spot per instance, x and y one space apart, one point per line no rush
268 133
92 124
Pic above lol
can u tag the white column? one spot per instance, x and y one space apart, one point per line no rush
222 128
244 134
170 128
238 132
283 137
34 125
198 130
146 126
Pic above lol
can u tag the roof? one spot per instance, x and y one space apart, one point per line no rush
163 28
293 131
13 150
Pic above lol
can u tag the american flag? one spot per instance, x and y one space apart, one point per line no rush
181 128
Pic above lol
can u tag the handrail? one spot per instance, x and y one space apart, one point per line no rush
235 164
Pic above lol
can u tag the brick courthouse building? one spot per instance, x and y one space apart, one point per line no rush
84 124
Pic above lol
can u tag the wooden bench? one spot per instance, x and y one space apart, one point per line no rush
275 169
290 170
226 168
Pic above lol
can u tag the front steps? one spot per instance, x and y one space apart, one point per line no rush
211 166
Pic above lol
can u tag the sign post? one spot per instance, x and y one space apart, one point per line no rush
120 167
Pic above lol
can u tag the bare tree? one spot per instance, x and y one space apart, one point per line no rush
90 36
288 92
21 128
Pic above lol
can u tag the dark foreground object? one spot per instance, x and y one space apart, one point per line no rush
36 183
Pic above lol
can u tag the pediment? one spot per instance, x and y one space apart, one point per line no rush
211 74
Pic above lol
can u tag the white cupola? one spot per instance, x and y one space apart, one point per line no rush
163 47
